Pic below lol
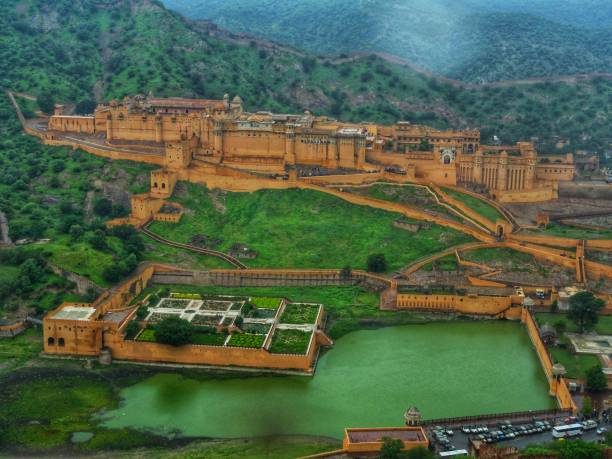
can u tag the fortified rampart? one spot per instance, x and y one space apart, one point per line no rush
558 384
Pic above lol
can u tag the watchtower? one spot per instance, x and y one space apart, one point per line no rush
412 416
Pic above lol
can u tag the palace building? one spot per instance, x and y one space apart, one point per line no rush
221 132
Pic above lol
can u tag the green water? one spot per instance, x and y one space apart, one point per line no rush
368 379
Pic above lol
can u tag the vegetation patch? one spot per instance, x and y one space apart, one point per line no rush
304 229
208 338
297 313
246 340
266 302
290 342
477 205
147 335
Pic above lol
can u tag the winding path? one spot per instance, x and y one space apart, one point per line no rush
223 256
4 230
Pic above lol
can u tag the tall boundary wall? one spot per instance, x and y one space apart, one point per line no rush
558 386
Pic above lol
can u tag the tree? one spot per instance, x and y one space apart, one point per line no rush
174 331
103 207
391 448
587 406
76 231
98 240
560 326
419 453
596 380
85 107
425 145
377 263
554 306
346 273
583 309
132 329
46 102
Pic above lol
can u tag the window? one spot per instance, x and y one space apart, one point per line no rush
51 341
61 342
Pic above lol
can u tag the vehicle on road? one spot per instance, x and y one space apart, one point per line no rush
567 431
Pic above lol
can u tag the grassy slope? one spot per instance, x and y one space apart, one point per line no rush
573 232
303 228
477 205
410 195
138 46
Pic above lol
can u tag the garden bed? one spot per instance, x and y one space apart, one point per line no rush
262 329
246 340
260 313
215 305
208 339
266 302
186 296
290 342
200 319
173 303
298 313
147 336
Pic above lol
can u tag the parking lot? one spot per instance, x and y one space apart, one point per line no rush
505 433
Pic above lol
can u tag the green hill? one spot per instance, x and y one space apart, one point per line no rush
472 40
82 50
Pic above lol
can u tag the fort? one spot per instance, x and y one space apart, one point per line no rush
189 137
219 144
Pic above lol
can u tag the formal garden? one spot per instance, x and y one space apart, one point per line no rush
180 318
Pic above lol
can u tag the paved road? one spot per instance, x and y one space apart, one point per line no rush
460 440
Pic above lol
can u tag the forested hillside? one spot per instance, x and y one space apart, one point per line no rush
473 40
79 50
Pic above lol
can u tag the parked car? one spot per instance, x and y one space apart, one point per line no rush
601 431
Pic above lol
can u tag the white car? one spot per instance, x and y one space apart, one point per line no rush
601 431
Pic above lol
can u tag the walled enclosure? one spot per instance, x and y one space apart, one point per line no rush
221 132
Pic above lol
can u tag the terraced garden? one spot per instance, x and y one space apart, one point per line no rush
302 229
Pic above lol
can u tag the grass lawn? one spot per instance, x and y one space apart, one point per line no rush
42 407
18 350
509 259
8 273
302 229
575 364
446 263
209 339
477 205
290 342
147 335
79 257
572 232
266 302
603 327
406 194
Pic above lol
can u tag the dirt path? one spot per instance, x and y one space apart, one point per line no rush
4 230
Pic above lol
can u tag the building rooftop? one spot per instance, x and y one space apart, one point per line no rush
186 103
376 435
74 313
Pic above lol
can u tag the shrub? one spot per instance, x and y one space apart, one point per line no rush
377 263
174 331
